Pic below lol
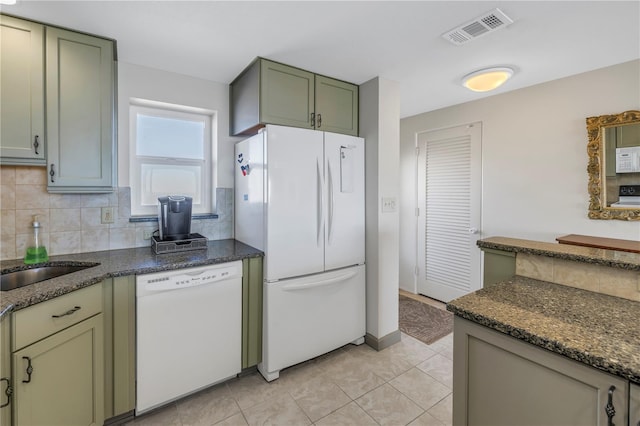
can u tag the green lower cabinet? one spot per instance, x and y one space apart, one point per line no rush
251 312
119 351
634 405
5 371
85 373
59 380
501 381
124 344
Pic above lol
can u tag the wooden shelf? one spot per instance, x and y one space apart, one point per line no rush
599 242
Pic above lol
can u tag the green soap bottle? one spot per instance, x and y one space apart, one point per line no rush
36 251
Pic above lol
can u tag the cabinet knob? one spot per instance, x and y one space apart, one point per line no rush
313 119
29 369
319 120
610 409
36 144
8 391
52 173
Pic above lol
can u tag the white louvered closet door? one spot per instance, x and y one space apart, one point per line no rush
449 200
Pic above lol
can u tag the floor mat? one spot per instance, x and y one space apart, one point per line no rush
424 322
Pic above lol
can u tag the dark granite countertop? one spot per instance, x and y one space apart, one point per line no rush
596 329
115 263
613 258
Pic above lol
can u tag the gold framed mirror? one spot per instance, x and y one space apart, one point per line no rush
612 140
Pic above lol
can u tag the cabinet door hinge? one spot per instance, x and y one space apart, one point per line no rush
417 151
416 271
417 211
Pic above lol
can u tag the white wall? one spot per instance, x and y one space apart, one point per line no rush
534 158
379 125
136 81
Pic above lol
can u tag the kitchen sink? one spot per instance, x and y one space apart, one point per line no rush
13 280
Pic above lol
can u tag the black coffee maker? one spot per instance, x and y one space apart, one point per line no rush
174 217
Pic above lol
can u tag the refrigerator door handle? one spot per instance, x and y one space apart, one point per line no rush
320 283
330 200
320 204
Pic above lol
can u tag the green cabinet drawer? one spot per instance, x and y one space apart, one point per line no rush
44 319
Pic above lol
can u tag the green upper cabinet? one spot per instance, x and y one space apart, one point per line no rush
286 95
268 92
22 137
336 106
628 135
80 89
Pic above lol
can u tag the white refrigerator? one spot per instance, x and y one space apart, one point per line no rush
299 197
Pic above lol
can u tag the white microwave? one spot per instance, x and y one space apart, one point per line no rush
628 160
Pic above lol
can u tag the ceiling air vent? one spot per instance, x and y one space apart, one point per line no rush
484 24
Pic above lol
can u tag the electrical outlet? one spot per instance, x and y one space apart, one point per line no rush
388 205
146 234
107 215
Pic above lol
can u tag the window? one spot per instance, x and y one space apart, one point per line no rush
170 154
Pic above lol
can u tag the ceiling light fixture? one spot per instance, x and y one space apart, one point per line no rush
8 1
487 79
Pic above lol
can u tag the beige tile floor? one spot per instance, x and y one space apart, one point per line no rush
408 383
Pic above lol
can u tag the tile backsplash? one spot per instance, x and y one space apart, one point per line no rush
593 277
71 223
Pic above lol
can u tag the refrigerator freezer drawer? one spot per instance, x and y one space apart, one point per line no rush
307 317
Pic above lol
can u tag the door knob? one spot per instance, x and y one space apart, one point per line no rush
473 230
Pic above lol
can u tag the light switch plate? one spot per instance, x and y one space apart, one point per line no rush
388 204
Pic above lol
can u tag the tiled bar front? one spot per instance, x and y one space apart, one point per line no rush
611 272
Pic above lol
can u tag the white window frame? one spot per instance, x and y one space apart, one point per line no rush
165 110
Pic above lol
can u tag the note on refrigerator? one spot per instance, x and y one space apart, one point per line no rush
346 168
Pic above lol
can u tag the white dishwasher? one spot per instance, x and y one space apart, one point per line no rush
188 331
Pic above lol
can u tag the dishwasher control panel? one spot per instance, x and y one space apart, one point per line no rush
189 277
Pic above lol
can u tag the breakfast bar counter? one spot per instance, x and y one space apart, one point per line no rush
589 255
595 329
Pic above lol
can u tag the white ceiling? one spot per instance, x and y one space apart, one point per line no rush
359 40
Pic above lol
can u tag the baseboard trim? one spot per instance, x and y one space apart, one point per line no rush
120 419
384 342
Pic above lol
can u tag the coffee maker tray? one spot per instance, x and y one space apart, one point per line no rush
193 242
